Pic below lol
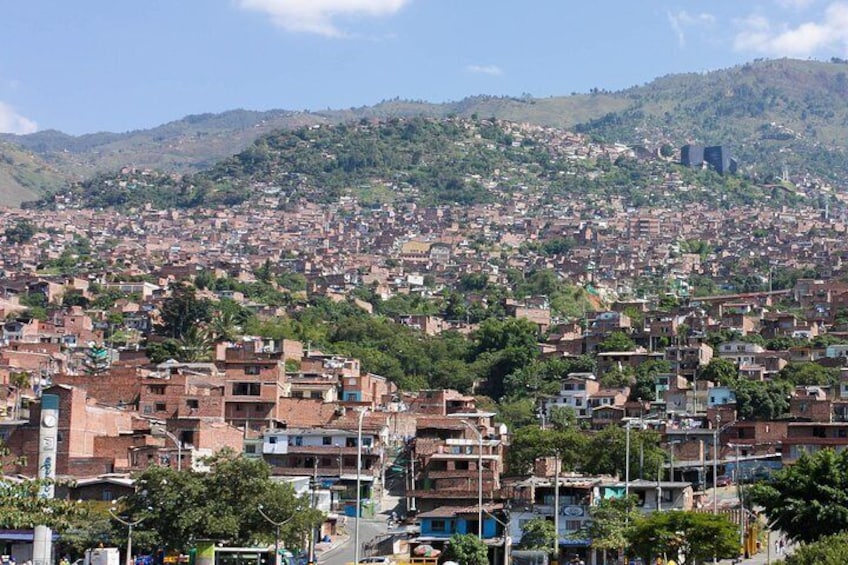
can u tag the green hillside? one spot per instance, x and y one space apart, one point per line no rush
23 176
428 161
775 114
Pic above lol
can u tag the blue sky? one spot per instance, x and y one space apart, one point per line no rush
119 65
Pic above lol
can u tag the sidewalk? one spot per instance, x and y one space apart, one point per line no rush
335 542
767 556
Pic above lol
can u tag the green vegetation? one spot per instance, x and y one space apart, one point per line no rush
694 536
539 534
828 550
809 499
467 549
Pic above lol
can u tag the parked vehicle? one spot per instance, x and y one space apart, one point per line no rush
377 560
724 481
102 556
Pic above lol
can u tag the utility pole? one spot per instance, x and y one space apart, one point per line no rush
314 505
130 525
556 510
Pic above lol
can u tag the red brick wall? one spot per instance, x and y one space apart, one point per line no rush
119 385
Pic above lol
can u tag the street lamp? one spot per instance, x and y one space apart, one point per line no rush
130 525
358 482
507 538
277 526
479 477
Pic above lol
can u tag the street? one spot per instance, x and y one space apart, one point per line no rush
369 528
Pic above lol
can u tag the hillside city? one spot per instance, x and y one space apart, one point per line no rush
713 335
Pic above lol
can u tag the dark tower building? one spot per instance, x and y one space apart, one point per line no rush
692 155
718 157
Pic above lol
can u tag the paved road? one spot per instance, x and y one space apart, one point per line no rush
343 552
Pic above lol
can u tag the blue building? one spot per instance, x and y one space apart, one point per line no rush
439 524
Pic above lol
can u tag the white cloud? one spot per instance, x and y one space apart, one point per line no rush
827 35
318 16
12 122
492 70
681 20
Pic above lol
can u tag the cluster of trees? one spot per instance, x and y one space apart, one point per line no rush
174 508
617 527
808 501
603 453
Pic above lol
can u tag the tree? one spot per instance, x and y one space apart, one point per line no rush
516 413
606 453
532 442
617 341
538 533
807 500
829 550
757 400
646 386
182 506
182 310
194 345
720 371
467 549
694 536
563 417
617 377
612 521
21 232
22 505
809 374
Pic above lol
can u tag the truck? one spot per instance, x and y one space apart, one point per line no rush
102 556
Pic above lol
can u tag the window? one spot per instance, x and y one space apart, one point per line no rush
252 370
160 407
316 394
156 389
107 495
246 389
326 440
439 525
239 408
249 448
192 403
462 465
298 440
272 440
572 525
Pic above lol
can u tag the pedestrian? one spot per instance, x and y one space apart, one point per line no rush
781 545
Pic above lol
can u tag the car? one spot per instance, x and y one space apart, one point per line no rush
724 481
377 560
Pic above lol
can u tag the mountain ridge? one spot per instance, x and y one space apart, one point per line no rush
777 113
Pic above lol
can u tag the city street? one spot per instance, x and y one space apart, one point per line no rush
343 553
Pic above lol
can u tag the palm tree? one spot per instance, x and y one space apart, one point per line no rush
195 345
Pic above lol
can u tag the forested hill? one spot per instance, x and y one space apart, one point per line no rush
777 115
428 161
